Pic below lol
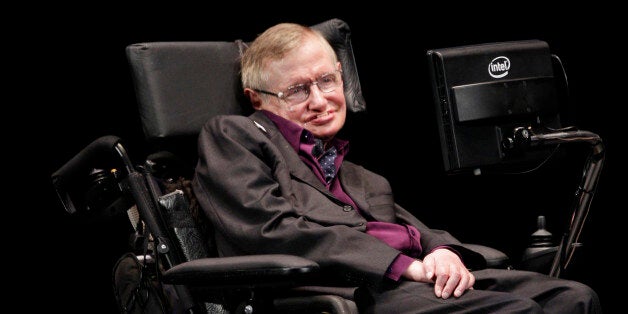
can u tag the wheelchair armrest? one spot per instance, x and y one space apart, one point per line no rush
494 258
243 271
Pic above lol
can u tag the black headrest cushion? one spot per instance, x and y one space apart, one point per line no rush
180 85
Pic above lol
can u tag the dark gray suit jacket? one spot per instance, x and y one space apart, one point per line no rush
261 198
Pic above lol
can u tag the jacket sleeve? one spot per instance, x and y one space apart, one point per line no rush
432 238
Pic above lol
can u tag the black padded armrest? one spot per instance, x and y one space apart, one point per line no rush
494 258
73 173
243 271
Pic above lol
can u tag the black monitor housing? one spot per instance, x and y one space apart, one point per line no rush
483 92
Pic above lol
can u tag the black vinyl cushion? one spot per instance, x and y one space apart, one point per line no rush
245 271
180 85
338 35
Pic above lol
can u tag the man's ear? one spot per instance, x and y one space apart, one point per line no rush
254 97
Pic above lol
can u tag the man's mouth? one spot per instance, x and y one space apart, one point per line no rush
320 118
324 114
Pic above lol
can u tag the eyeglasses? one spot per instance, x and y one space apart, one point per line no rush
298 93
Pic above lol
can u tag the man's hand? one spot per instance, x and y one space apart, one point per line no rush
445 269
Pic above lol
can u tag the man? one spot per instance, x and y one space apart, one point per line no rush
277 182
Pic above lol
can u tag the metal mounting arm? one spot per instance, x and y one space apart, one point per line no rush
529 137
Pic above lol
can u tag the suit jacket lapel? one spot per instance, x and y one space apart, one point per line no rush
295 165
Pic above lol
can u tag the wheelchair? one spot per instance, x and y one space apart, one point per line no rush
172 264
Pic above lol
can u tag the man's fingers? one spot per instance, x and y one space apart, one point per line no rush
462 285
440 283
452 282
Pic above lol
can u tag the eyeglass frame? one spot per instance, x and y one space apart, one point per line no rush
308 90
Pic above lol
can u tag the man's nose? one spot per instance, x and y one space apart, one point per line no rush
317 97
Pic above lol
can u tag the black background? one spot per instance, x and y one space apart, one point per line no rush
78 87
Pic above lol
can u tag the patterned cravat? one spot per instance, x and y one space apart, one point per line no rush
325 159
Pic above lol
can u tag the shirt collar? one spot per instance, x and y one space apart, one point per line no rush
295 134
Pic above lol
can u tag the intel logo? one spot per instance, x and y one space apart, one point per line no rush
499 67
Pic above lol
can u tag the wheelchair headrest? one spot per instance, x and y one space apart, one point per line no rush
180 85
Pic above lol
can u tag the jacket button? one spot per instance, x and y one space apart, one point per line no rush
347 208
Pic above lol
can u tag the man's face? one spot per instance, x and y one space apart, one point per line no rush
322 113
